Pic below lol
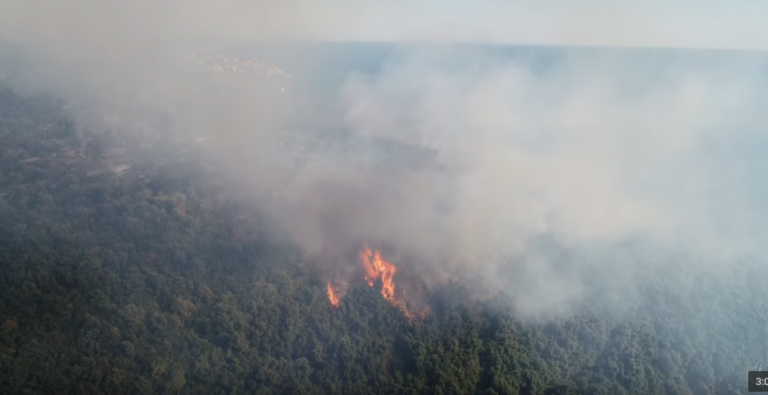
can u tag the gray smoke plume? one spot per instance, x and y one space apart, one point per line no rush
595 151
526 176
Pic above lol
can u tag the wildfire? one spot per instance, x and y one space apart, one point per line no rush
377 268
333 295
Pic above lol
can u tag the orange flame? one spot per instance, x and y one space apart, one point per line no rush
377 268
333 295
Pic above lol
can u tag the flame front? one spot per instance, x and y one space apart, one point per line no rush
377 268
333 295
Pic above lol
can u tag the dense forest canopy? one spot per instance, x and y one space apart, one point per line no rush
136 277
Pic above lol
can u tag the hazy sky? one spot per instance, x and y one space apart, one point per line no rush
678 23
681 23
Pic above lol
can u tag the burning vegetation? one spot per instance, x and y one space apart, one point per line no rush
376 268
333 295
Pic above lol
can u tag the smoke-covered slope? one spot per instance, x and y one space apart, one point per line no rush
143 279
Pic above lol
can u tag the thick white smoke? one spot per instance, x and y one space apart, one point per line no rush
595 150
587 149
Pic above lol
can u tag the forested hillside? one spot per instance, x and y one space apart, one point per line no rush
131 277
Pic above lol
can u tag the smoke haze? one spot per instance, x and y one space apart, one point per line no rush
575 150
